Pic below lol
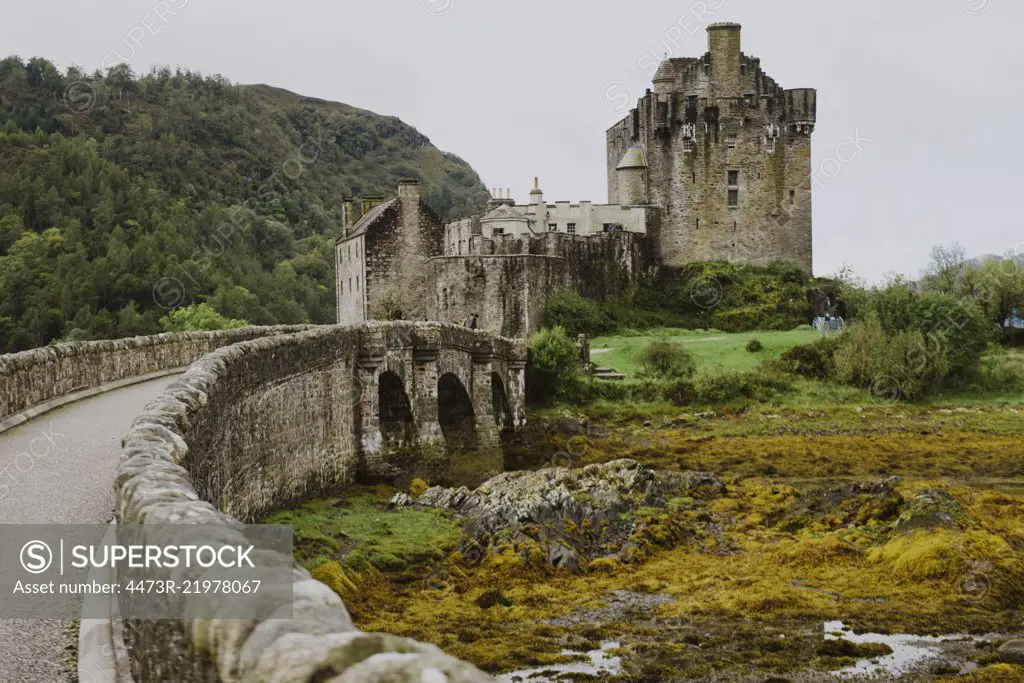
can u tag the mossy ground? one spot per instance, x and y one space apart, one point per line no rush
745 590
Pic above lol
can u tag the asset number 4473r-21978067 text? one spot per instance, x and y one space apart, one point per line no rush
191 587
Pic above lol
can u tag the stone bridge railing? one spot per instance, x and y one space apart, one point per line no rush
33 379
264 423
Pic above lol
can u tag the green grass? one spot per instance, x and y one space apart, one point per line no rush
353 530
711 350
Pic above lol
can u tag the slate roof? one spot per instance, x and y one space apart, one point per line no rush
634 158
504 213
368 219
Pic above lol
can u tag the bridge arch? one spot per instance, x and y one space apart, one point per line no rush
397 427
455 414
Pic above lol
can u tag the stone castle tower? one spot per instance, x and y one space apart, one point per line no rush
725 152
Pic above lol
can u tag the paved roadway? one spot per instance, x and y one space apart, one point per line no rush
59 469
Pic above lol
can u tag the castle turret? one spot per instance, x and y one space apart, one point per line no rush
724 46
632 172
802 109
664 78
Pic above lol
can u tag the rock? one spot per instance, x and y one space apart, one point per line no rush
1011 652
844 504
566 514
400 500
932 509
563 557
859 410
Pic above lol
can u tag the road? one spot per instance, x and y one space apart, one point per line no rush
59 469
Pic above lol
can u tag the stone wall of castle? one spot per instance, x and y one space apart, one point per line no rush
508 280
728 158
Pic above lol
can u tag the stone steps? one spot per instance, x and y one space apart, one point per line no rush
608 375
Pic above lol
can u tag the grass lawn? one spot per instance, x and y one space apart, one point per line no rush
711 350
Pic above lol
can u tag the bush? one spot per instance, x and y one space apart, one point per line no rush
577 315
728 385
815 360
952 327
555 366
198 318
755 346
664 359
900 365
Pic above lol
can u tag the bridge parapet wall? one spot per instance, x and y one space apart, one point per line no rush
256 426
31 378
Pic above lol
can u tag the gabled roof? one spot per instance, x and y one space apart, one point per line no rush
505 213
634 158
368 219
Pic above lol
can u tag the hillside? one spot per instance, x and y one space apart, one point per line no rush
122 197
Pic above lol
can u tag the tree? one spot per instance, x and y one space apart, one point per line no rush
944 269
197 318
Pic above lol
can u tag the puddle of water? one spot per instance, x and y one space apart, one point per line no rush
599 662
907 651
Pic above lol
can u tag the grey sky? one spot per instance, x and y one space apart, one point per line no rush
518 89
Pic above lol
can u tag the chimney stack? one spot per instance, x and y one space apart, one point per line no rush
536 195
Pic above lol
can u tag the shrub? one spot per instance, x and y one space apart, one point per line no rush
576 314
664 359
755 346
952 327
679 392
555 366
900 365
815 360
728 385
198 318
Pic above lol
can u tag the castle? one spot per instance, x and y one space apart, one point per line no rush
713 164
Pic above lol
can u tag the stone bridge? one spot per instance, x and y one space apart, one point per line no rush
262 418
436 401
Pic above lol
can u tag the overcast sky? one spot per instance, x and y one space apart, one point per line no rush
932 89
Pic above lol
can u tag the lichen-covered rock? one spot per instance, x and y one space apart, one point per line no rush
932 509
567 515
844 504
1011 652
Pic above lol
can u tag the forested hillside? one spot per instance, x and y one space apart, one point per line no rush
122 197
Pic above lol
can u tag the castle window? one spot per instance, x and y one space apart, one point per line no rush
350 252
792 197
743 69
734 197
695 177
357 249
357 283
731 141
734 228
552 227
498 231
350 285
688 145
734 178
698 224
771 145
571 227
